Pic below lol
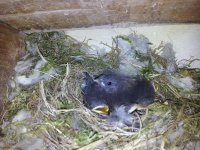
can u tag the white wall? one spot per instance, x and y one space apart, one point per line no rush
184 37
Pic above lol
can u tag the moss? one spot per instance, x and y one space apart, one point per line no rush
147 72
158 107
66 104
125 38
45 67
191 127
56 47
93 64
63 94
84 137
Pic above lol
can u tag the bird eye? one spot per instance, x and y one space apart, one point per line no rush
109 83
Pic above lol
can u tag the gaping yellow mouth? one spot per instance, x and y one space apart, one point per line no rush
102 109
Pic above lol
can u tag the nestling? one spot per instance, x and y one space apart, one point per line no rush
110 92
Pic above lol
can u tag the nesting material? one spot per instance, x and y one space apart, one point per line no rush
58 118
22 115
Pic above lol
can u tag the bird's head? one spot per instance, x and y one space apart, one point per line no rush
94 95
113 83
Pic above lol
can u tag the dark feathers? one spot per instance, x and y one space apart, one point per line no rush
114 90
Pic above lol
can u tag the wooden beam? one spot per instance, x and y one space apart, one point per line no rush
11 46
45 14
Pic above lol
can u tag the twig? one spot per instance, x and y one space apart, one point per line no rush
95 144
50 108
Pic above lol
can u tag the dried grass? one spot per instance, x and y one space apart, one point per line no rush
56 103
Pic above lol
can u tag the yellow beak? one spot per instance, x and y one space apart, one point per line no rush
102 109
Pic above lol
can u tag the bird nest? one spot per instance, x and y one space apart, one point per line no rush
58 120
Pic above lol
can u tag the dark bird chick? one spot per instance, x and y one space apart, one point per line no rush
109 91
125 90
94 96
